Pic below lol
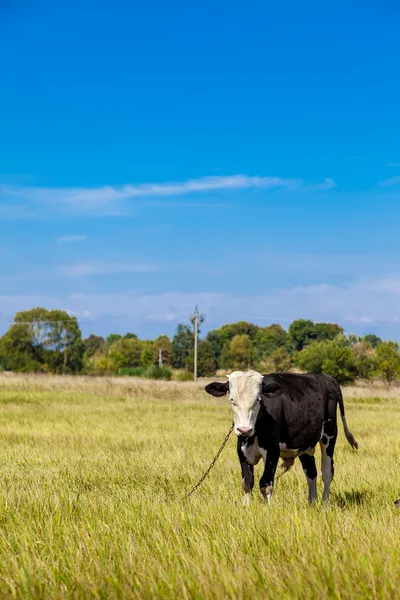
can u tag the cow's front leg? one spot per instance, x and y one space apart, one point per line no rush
271 458
247 474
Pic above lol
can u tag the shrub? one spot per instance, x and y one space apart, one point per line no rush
388 361
333 358
155 372
132 372
184 376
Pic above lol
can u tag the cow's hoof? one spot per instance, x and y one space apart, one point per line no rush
397 503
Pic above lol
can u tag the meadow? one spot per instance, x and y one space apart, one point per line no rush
93 474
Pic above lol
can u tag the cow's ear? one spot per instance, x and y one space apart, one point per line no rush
217 388
271 388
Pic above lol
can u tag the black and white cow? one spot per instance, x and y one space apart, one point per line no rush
284 415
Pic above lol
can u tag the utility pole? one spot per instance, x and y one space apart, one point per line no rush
160 361
196 328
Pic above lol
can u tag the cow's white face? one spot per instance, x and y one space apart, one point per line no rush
244 391
245 398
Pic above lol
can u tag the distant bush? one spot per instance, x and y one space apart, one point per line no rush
155 372
152 372
184 376
132 372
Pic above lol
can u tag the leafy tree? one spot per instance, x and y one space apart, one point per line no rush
126 353
372 339
326 331
365 359
130 336
162 343
388 361
182 345
241 352
17 351
206 361
94 344
301 333
334 358
113 337
215 339
279 361
41 339
269 339
147 356
352 339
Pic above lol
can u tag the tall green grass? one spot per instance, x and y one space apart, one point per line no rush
92 482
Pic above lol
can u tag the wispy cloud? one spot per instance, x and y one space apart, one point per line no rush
389 182
327 184
115 199
88 269
66 239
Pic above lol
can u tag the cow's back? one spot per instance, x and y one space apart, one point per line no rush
300 408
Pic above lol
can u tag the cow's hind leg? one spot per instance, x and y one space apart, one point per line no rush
327 443
310 470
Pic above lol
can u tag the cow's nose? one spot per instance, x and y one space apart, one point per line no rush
245 430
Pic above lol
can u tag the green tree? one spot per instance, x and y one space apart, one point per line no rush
334 358
147 356
130 336
206 361
221 339
388 361
126 353
182 345
240 354
113 337
216 341
326 331
162 343
301 333
365 359
41 339
94 344
372 339
279 361
269 339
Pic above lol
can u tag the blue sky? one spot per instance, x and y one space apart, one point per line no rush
157 155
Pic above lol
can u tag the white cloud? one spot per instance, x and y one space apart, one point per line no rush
327 184
114 200
87 269
72 238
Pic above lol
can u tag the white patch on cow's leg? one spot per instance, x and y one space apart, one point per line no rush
247 499
312 489
266 485
269 493
327 471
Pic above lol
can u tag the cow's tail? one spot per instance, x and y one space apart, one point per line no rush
349 436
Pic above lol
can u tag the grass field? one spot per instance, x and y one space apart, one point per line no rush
93 473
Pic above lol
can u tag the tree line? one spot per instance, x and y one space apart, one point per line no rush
41 341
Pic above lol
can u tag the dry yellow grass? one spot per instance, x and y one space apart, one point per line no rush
92 478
